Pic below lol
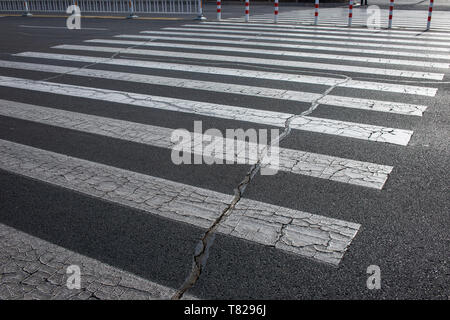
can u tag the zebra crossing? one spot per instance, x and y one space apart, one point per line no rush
409 19
228 58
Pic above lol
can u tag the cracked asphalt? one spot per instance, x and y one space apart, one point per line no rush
50 220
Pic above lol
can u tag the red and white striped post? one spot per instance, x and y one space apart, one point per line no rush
275 11
219 10
430 11
350 13
247 10
391 11
316 12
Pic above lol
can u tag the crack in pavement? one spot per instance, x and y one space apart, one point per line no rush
100 61
201 252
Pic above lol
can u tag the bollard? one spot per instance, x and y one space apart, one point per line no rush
275 11
27 10
316 12
247 10
219 10
430 11
391 11
350 13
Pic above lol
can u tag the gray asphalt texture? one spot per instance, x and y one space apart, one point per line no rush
404 227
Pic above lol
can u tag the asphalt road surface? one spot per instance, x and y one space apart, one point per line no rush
88 179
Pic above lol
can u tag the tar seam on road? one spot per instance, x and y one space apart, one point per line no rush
115 54
201 253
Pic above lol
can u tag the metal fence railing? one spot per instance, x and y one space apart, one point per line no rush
103 6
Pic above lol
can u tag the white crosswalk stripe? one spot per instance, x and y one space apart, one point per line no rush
420 44
270 62
340 30
412 19
299 96
310 235
271 118
364 36
192 37
277 52
298 162
56 260
298 39
283 228
280 76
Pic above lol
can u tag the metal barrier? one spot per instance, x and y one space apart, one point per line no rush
103 6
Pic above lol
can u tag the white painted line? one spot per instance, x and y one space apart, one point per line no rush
250 60
244 49
251 74
278 119
360 20
194 38
298 96
52 27
359 173
321 238
362 31
359 24
248 30
49 278
318 31
265 37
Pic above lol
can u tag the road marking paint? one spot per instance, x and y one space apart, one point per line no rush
321 238
248 30
360 20
301 29
278 76
96 276
362 31
292 46
320 166
250 60
242 48
264 37
52 27
298 96
306 123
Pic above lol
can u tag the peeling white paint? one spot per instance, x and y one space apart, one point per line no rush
192 36
36 269
321 166
298 96
321 238
420 44
279 76
278 119
252 60
300 39
345 30
244 49
366 36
